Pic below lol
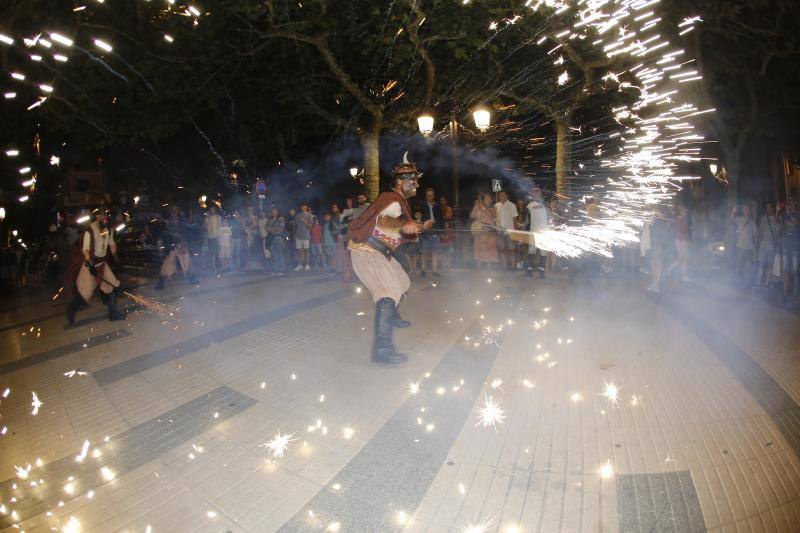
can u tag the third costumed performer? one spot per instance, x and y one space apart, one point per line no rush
374 238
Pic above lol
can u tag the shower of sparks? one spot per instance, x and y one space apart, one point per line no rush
151 305
610 392
490 414
278 444
36 403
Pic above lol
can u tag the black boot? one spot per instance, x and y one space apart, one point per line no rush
73 307
160 285
383 351
397 320
113 313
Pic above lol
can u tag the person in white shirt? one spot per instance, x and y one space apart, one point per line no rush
212 224
506 213
539 220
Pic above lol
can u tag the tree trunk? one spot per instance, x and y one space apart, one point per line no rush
562 156
370 144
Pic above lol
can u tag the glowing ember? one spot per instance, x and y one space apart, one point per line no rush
611 392
490 414
278 444
36 403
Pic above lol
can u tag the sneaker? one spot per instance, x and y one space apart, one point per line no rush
651 288
298 268
307 268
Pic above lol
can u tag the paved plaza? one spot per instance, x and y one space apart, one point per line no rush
526 405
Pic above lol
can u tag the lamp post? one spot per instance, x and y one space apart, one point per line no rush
482 118
425 123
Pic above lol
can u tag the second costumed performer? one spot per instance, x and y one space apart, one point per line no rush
374 238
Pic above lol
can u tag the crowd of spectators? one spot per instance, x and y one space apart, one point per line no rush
753 247
750 247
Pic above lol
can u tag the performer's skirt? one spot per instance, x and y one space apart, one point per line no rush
87 283
383 278
173 261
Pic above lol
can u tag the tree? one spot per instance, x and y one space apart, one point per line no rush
746 51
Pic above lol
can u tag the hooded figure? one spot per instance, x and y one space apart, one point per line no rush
374 237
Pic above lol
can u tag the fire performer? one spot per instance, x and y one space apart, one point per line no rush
374 237
90 269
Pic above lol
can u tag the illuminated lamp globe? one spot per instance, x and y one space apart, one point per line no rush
354 171
482 118
425 122
713 168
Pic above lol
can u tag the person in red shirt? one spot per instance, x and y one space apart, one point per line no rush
317 257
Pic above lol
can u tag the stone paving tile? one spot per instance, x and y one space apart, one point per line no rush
61 351
146 361
693 415
123 453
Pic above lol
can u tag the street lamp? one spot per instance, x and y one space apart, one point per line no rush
2 214
713 168
425 122
482 118
354 172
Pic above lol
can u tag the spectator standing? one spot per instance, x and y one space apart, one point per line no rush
262 233
343 262
363 204
521 223
276 240
448 237
254 247
746 246
506 213
538 220
484 246
661 240
790 250
302 236
429 242
732 225
349 210
410 248
682 242
238 240
225 245
317 253
213 223
291 243
329 241
767 245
